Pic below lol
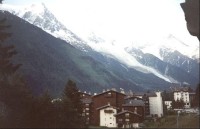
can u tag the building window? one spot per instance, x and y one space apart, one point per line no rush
127 120
87 113
127 114
87 109
109 111
135 110
86 104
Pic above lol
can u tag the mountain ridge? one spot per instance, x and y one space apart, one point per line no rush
118 74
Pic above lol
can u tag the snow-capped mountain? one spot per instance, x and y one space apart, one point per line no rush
170 52
161 58
40 16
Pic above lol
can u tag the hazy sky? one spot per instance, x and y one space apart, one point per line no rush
125 20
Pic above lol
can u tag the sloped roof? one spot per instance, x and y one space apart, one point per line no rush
107 92
132 97
105 106
145 94
151 94
86 100
181 88
134 103
126 111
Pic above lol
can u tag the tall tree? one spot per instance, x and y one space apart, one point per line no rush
72 100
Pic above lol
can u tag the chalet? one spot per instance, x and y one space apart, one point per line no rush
109 97
144 97
128 119
137 106
107 117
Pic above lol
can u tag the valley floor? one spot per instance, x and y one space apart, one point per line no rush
170 121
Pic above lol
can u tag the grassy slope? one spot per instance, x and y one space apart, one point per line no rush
185 121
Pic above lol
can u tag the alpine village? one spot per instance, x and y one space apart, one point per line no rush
175 107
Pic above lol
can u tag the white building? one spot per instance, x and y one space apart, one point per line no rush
156 104
182 93
168 104
107 117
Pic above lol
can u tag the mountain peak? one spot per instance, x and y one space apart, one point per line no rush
36 8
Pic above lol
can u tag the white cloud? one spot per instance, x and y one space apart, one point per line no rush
127 21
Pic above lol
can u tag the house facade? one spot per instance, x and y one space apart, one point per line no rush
137 106
110 97
107 117
86 100
183 93
156 104
128 119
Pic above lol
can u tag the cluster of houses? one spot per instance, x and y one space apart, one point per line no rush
112 108
116 109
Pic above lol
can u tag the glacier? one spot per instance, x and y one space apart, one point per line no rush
39 15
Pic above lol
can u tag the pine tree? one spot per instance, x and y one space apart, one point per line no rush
72 101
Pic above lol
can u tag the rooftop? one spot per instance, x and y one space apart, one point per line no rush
134 103
86 100
126 111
